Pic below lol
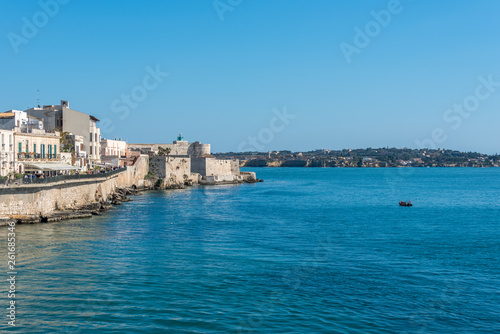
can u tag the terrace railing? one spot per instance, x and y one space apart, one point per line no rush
51 179
36 156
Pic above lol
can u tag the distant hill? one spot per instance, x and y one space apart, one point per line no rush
368 157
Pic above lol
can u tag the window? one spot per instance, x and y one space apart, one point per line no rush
91 135
43 151
3 139
34 148
96 136
27 147
55 151
90 149
20 150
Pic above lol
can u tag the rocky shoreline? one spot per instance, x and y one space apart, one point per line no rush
119 196
87 211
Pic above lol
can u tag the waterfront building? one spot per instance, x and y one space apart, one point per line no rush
34 148
7 159
113 147
17 118
95 140
77 150
13 118
114 152
35 123
64 119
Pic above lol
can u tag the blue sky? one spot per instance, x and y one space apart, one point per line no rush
232 66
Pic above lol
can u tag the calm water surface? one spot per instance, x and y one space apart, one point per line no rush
307 251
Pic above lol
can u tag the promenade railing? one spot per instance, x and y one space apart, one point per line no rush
51 179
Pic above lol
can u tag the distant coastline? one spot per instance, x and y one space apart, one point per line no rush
367 158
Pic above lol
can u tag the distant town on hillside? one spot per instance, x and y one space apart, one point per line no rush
369 157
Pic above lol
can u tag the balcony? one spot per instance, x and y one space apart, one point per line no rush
36 157
36 131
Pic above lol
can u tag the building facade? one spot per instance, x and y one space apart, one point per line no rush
63 118
13 118
36 146
115 152
19 119
94 150
7 158
113 147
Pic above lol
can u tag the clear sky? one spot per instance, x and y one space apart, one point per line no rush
347 74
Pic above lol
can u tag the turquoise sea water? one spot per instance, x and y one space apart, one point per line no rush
307 251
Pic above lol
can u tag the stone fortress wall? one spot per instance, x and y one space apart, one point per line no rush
174 171
214 171
181 148
191 163
213 167
198 149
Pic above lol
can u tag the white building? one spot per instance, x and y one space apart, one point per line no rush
94 150
34 146
7 153
114 152
63 118
113 147
19 119
13 118
35 123
79 155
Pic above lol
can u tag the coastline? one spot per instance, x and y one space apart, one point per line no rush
115 198
272 166
82 196
368 157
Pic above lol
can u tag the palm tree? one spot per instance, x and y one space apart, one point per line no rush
66 145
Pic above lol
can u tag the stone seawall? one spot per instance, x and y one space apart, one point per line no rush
45 199
82 197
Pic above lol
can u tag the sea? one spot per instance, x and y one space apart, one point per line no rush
309 250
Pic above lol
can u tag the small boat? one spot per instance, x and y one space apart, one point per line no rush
405 203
